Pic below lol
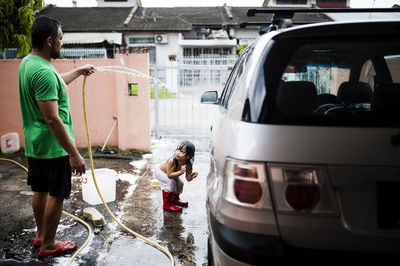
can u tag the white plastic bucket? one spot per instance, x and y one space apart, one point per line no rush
9 143
106 179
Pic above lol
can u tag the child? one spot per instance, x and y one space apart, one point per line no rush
169 172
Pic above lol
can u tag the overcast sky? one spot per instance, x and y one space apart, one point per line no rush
166 3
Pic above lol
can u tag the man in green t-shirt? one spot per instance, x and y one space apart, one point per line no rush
49 140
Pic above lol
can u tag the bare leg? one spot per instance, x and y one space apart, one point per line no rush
51 220
39 200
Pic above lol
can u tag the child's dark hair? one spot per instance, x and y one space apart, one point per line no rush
190 150
43 27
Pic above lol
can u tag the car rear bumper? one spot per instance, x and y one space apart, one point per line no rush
236 248
248 248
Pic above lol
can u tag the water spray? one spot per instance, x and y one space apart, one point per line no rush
129 71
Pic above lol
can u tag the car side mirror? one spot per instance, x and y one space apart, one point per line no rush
210 97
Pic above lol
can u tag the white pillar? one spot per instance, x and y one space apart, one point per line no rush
172 76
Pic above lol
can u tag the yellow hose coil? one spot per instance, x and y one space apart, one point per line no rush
166 252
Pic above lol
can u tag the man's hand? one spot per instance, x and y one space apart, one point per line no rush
70 76
86 70
77 164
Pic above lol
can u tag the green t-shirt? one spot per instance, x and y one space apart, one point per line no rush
38 80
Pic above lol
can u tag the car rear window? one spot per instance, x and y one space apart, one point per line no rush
333 83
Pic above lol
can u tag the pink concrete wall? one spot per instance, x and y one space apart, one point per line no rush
134 111
106 96
10 118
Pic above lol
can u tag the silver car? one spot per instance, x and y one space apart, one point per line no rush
306 148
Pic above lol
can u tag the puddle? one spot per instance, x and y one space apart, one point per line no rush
138 165
127 250
131 179
138 206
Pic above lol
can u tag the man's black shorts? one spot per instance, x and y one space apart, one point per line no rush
50 175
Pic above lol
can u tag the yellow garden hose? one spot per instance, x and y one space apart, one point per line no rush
20 165
87 239
95 183
65 213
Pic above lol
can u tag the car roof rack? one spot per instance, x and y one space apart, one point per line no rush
282 17
264 26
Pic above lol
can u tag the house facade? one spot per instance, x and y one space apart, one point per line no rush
167 34
195 44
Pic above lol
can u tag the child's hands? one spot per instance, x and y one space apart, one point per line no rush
191 176
183 168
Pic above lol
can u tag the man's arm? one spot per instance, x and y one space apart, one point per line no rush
70 76
50 113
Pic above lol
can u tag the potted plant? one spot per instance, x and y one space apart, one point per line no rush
172 57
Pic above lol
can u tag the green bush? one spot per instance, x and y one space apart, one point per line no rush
162 93
240 48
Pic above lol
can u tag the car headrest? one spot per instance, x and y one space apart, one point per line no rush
297 98
325 98
387 97
354 92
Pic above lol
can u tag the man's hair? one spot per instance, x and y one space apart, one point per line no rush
43 27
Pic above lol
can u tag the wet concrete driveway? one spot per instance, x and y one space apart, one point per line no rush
138 206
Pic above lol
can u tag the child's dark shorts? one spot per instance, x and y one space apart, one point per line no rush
50 175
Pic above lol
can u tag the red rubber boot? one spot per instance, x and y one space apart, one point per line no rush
178 201
168 204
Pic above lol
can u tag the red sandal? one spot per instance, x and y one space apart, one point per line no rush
59 250
37 243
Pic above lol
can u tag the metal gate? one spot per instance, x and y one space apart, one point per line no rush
177 113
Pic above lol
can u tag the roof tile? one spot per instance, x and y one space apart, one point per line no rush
88 19
161 19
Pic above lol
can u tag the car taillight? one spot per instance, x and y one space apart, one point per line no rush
301 197
301 188
247 191
245 184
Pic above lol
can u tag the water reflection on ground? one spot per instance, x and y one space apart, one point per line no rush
138 205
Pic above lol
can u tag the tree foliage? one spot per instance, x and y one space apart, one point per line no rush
16 19
240 48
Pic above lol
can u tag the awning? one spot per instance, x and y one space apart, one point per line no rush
207 43
363 16
140 45
92 37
